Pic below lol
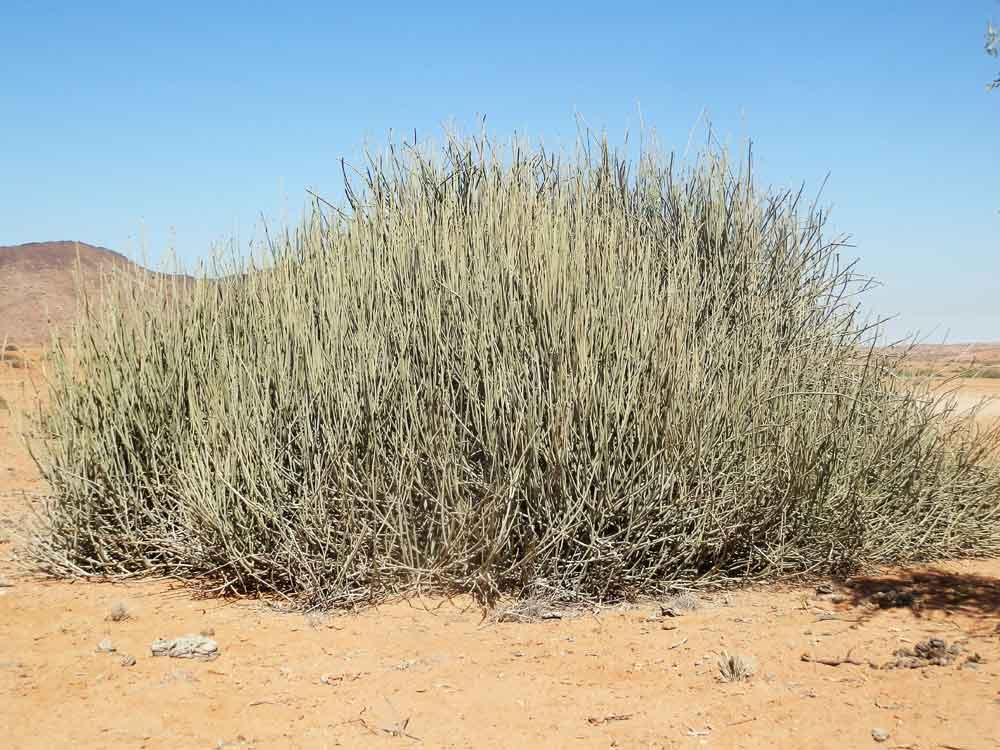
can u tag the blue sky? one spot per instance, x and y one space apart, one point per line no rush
142 125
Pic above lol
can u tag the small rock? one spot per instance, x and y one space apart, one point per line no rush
824 588
186 647
128 661
879 734
106 646
933 652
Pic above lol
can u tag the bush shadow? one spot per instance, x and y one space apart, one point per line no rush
927 590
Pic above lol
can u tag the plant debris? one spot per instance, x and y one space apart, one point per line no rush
599 720
826 661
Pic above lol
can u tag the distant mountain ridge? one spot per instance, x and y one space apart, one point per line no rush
37 288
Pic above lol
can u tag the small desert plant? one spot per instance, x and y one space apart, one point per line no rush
497 366
735 668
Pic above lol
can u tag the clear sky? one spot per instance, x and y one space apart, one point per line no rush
149 124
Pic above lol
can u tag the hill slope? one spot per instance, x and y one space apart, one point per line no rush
37 286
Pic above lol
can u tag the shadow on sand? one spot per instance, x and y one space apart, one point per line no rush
929 589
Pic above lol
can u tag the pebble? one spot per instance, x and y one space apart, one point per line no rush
128 661
106 646
879 734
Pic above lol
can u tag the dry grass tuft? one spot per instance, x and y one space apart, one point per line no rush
735 668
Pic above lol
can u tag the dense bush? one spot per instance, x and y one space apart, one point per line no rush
497 370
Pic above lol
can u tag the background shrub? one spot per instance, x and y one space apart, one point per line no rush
498 369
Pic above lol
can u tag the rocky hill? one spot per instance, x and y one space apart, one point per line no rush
38 290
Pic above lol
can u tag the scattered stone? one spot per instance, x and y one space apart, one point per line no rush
934 652
127 660
879 734
824 588
679 605
106 646
186 647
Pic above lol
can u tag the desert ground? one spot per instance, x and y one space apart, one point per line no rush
836 664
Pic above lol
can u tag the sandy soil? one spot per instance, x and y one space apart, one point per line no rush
434 674
972 391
